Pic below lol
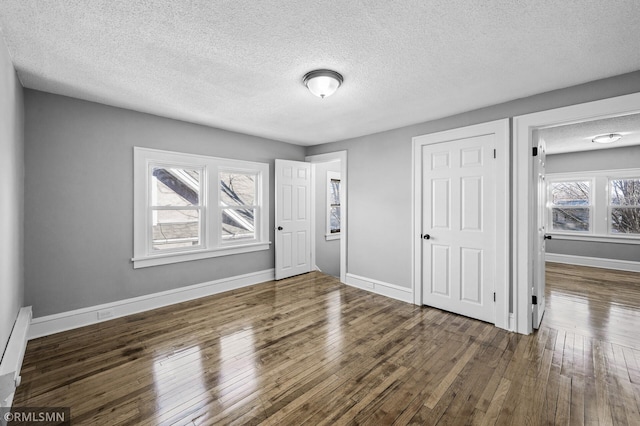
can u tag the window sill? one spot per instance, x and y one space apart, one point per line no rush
330 237
167 258
596 238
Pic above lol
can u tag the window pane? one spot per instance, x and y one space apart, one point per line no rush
175 186
238 224
334 220
175 229
570 219
570 193
237 189
334 194
625 192
625 220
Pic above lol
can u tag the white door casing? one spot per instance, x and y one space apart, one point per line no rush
539 241
461 221
293 218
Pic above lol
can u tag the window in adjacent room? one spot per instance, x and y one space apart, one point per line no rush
333 205
571 206
595 206
624 206
189 207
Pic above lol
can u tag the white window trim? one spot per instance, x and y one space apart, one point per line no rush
331 175
595 238
211 244
600 222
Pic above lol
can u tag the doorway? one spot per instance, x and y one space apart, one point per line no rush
528 266
296 254
329 213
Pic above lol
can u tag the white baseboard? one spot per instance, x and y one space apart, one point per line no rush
385 289
13 357
51 324
595 262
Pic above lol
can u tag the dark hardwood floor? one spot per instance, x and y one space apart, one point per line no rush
309 350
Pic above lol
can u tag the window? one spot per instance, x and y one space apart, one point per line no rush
624 206
189 207
571 206
175 207
333 206
595 206
238 206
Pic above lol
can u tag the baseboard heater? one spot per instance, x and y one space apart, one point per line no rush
13 357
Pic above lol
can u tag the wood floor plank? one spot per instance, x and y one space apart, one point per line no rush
578 383
309 350
602 393
493 410
590 392
563 407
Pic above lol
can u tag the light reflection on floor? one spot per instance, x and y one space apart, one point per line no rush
334 338
178 378
235 363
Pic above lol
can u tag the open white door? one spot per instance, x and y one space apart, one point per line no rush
293 218
539 240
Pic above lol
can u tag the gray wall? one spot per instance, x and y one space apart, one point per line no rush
12 190
79 201
602 159
379 217
327 252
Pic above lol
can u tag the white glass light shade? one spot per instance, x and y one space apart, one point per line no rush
610 138
322 83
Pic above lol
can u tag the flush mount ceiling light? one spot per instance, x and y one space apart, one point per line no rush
322 83
610 138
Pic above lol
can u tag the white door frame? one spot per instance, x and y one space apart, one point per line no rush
523 203
324 158
501 129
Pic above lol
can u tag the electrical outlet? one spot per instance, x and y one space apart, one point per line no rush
104 314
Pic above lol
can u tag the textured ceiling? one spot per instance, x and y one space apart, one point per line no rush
578 137
238 65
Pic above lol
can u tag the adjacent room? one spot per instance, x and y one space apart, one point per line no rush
334 212
593 201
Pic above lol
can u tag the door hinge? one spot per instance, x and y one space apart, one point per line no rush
535 151
534 300
494 153
494 297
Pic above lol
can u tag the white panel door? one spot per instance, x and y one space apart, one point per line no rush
293 220
540 238
458 226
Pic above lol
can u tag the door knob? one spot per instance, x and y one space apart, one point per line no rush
279 228
548 237
426 236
